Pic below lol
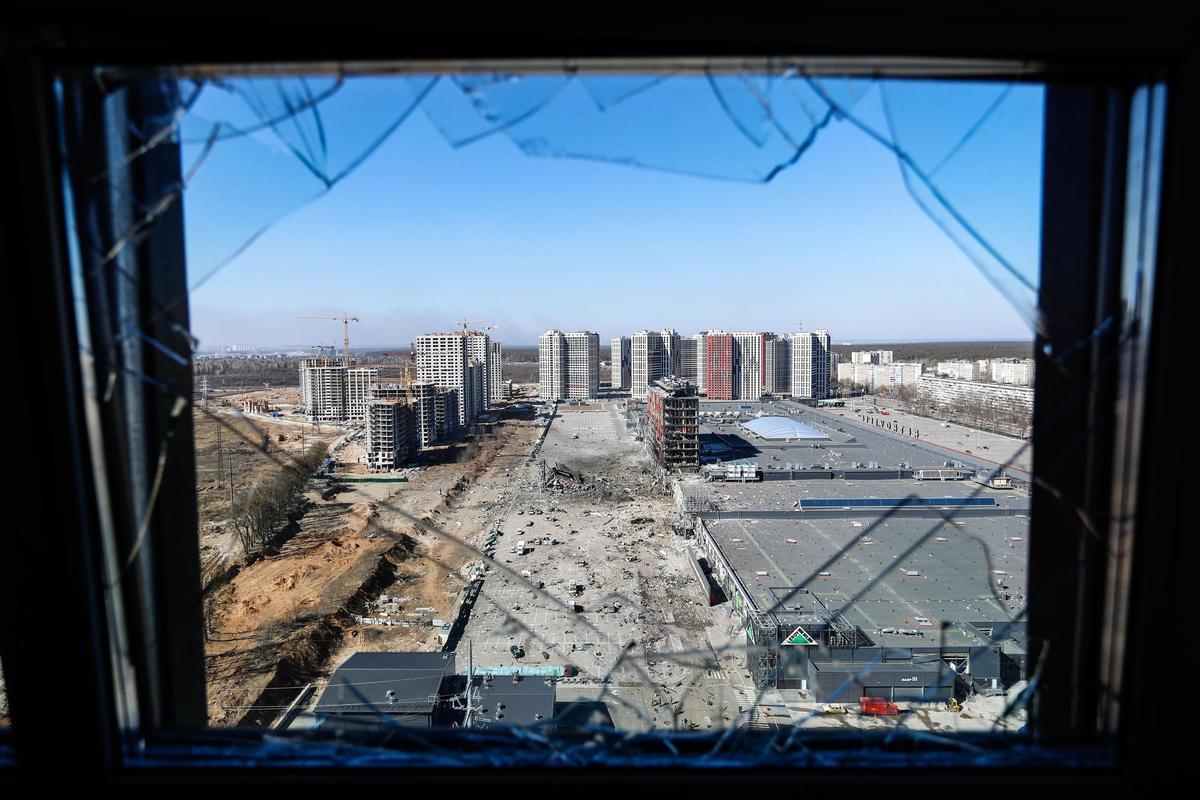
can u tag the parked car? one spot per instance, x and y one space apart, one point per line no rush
517 651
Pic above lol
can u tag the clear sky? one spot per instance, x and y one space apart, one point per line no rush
423 233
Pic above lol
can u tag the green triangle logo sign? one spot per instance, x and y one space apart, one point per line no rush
799 637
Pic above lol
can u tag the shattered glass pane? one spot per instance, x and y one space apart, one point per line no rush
619 630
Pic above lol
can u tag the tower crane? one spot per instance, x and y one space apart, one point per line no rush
346 319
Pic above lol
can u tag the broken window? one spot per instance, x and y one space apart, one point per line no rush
542 584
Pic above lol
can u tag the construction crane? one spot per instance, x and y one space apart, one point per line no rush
345 319
467 323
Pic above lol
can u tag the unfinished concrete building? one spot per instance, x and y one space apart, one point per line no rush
495 374
621 378
358 390
671 352
687 360
389 433
425 416
479 346
777 366
447 411
673 423
475 389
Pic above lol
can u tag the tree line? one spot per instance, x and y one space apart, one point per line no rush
259 516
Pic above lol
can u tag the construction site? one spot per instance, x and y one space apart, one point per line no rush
678 564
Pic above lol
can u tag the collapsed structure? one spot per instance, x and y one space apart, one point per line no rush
672 419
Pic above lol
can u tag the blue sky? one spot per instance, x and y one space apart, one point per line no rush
423 233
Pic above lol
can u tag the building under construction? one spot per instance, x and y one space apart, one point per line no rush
673 423
433 414
390 433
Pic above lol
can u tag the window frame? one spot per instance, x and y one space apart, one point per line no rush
1083 194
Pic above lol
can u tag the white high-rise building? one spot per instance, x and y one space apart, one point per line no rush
443 359
810 364
701 340
583 365
569 365
552 369
323 389
621 377
495 373
647 361
749 355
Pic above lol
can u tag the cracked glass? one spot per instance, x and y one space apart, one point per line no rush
534 571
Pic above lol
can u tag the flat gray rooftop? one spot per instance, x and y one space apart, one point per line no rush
970 570
846 442
783 495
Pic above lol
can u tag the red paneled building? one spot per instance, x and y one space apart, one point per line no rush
721 377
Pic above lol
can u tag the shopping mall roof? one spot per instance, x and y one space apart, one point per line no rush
782 428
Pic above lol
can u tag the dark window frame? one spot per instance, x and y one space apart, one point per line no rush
1083 192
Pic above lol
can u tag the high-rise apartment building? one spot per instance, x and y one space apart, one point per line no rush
687 360
582 365
777 365
495 373
810 364
721 372
569 365
444 359
323 390
648 361
701 340
479 346
389 433
621 376
552 373
671 352
750 359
